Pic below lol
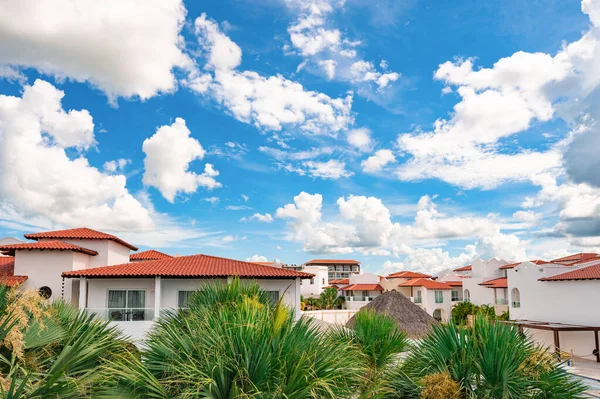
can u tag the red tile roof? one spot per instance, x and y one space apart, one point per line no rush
408 274
362 287
501 282
193 266
426 283
151 254
513 265
45 246
7 272
340 281
585 273
82 233
333 262
576 258
454 283
467 268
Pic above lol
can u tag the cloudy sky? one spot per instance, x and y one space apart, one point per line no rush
406 134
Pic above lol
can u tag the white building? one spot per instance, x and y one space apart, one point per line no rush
484 284
338 268
434 297
361 289
93 271
314 286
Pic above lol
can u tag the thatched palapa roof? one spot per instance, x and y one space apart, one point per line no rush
410 317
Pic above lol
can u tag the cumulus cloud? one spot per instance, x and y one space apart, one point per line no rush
377 161
266 218
325 50
41 183
360 139
469 150
527 216
270 103
116 165
256 258
169 153
365 224
332 169
124 50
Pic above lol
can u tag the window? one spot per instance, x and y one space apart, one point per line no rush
183 298
437 314
418 298
516 298
322 281
273 296
454 296
467 296
124 305
312 281
439 296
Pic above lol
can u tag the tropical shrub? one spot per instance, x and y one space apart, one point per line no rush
234 343
52 350
489 360
328 297
377 341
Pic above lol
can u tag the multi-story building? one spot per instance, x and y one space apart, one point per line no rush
360 290
338 268
97 272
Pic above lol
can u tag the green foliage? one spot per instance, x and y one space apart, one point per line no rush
237 347
378 342
328 297
490 360
461 310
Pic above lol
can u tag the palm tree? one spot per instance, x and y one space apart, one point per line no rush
378 341
234 343
490 360
51 350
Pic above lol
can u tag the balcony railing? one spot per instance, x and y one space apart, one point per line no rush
417 299
516 304
359 298
501 301
122 314
456 299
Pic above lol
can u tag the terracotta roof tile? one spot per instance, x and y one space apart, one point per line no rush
193 266
340 281
513 265
45 246
362 287
454 283
467 268
151 254
426 283
7 271
333 261
81 233
408 274
501 282
576 258
585 273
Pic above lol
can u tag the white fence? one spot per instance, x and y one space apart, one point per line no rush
332 316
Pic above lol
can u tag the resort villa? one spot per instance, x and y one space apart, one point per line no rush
98 272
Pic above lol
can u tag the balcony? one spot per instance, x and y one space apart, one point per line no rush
417 299
501 301
516 304
122 314
456 299
359 298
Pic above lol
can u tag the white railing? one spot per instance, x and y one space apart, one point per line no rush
123 314
417 299
359 298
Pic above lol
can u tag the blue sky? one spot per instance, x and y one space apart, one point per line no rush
317 121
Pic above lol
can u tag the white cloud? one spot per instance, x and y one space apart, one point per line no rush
169 153
116 165
266 218
527 216
469 149
12 74
123 49
365 224
245 197
360 138
39 182
324 48
376 162
332 169
269 103
256 258
430 260
228 239
212 200
505 246
237 207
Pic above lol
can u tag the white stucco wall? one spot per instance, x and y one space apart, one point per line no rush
320 281
571 302
44 268
579 343
109 252
429 304
364 278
